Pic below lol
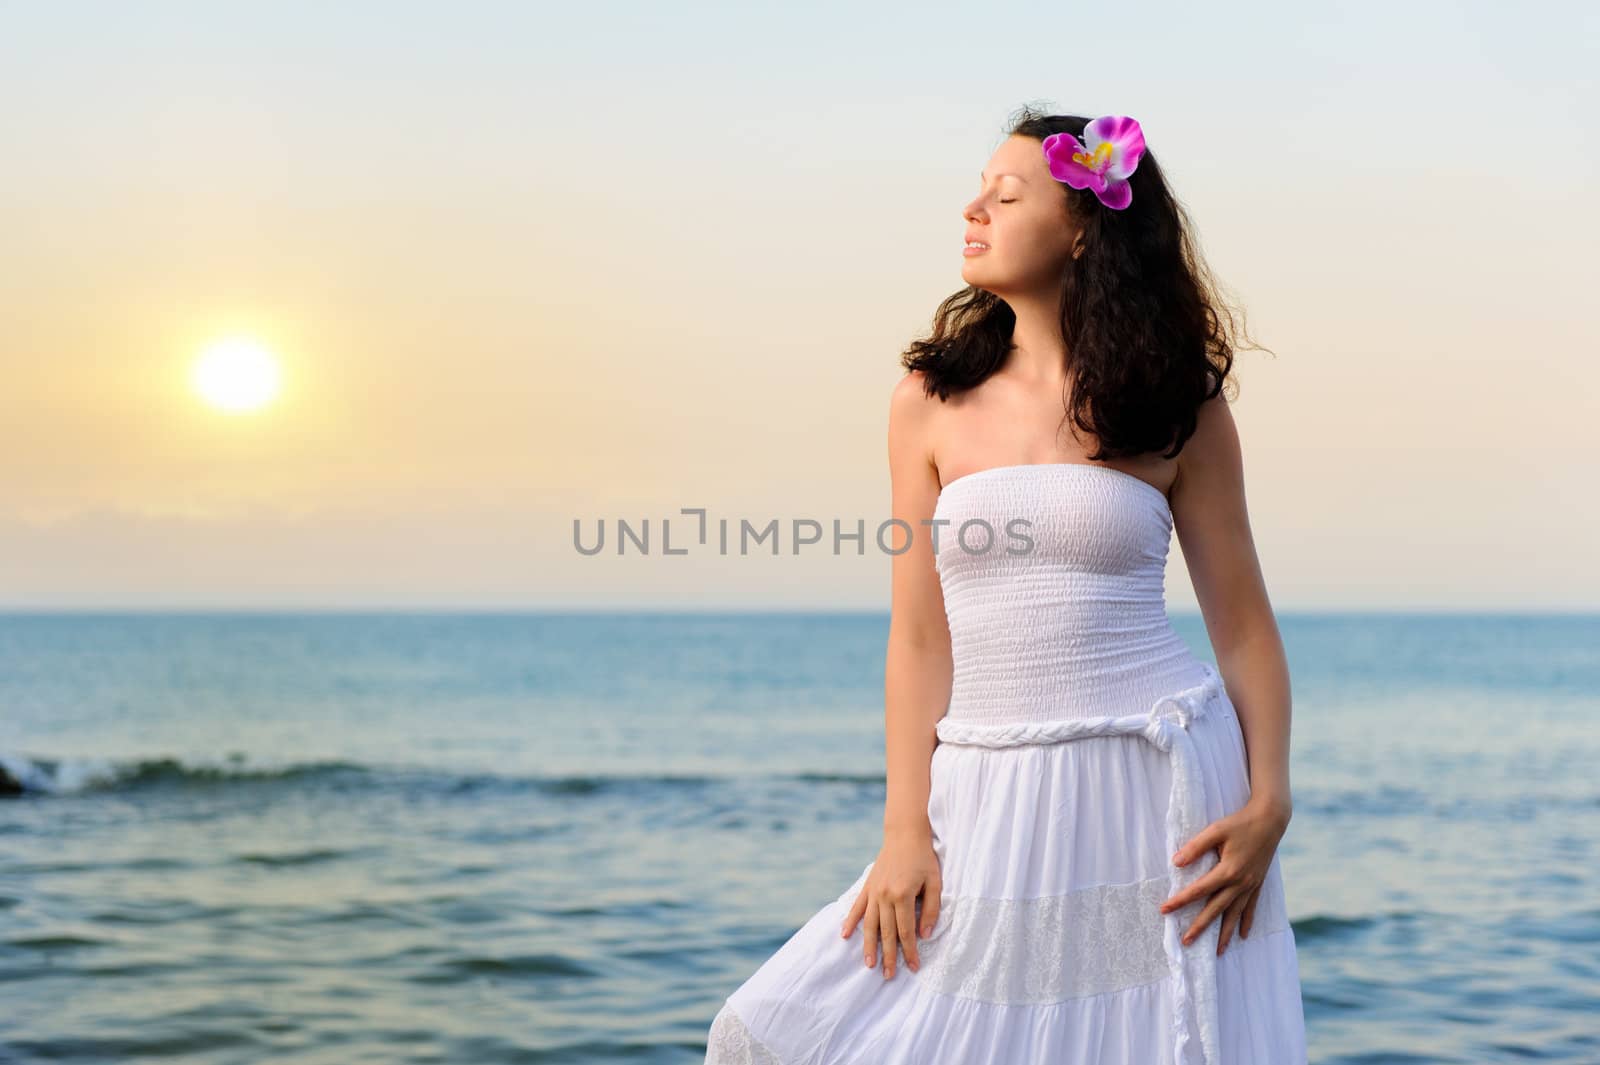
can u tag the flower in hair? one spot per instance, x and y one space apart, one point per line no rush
1102 162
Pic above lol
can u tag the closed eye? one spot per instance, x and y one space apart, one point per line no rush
1008 201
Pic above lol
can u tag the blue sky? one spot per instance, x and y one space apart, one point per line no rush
525 264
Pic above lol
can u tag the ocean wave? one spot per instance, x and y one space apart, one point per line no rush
25 776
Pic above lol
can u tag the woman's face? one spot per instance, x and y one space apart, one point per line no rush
1020 213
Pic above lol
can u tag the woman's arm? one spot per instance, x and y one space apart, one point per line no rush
917 680
1209 514
917 667
1213 526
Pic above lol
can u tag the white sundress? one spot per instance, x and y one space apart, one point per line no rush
1082 746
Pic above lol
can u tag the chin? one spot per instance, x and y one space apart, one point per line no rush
978 278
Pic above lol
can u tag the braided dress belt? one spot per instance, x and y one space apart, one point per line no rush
1166 725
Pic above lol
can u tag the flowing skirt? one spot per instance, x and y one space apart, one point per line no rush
1054 841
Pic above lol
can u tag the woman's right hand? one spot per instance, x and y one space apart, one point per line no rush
906 867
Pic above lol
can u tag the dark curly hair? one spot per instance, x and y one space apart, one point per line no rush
1148 338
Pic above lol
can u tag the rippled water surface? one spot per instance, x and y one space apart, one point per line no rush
540 838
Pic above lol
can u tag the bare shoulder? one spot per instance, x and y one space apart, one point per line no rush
911 413
910 407
1215 422
910 396
1214 447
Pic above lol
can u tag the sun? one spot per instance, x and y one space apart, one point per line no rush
236 375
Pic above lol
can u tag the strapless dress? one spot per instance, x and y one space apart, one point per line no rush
1083 744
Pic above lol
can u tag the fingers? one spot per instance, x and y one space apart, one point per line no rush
906 916
870 928
888 929
1230 920
857 908
1202 841
930 906
890 926
1249 914
1216 878
1218 903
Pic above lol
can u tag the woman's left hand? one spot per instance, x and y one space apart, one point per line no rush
1245 841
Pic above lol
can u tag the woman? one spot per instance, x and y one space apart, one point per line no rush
1079 861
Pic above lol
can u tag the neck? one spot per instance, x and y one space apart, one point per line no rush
1039 351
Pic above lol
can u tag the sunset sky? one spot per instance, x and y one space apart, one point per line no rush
525 264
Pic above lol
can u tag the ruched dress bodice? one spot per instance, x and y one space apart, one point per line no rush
1054 589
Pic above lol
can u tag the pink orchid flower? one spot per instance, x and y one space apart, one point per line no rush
1103 162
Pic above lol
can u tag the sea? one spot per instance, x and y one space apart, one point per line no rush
538 837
